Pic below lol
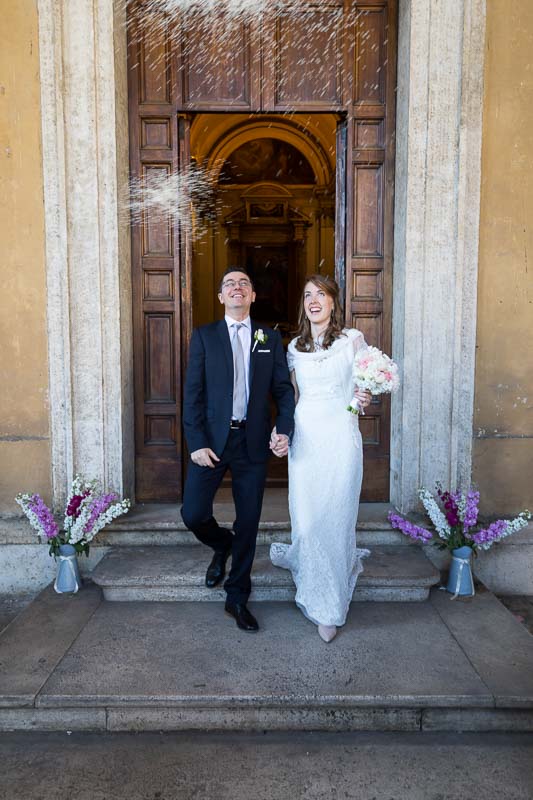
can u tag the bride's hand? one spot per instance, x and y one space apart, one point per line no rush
279 443
364 397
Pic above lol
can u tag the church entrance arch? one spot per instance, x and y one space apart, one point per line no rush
274 185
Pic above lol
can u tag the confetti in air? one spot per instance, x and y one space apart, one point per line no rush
187 198
234 8
212 38
173 17
215 27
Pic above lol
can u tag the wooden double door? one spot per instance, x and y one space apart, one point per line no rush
315 56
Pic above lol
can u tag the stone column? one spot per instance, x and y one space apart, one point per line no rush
85 166
438 162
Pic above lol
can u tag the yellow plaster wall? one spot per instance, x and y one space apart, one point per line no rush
24 426
503 417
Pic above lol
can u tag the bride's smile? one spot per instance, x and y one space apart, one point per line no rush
318 307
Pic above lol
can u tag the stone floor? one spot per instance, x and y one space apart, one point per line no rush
78 662
272 766
11 606
521 606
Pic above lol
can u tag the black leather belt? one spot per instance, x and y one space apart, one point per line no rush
236 424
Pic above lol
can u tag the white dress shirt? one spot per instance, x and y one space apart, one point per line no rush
245 335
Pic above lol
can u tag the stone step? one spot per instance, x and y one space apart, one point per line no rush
268 532
76 662
275 515
178 573
161 524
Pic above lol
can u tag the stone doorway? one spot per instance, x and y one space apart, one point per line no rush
299 67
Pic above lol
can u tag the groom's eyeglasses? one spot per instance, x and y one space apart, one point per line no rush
243 283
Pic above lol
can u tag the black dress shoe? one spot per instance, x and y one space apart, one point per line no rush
245 621
216 569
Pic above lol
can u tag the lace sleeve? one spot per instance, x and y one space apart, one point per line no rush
290 360
359 343
290 357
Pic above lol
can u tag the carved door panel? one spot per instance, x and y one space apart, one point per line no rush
215 74
369 212
303 58
158 147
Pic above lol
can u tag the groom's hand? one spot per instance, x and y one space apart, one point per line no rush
203 457
279 443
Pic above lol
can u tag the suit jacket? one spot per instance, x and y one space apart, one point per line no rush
208 393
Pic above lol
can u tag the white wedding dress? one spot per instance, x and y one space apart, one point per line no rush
325 474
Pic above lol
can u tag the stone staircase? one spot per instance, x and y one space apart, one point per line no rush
153 557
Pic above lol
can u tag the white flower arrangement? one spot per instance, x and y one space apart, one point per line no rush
434 513
374 371
91 520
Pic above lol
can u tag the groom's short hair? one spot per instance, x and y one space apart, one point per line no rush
235 269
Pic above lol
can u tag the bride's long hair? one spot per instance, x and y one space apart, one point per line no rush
304 342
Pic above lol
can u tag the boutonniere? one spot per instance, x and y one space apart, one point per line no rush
259 336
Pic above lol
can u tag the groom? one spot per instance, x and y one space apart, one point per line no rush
234 367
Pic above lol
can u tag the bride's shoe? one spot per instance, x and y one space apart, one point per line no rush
327 632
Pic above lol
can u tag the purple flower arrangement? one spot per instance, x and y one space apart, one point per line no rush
410 529
454 515
88 510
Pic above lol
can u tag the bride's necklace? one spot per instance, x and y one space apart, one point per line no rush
318 343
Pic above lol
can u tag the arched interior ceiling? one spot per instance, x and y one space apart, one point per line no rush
214 137
266 159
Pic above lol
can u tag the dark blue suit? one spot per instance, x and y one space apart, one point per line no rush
207 411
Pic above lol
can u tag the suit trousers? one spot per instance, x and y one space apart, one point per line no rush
248 484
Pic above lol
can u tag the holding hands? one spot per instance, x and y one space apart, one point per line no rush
279 443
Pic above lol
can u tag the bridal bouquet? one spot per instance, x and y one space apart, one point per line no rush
375 371
87 512
454 517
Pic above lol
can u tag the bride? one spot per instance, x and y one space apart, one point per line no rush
325 460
